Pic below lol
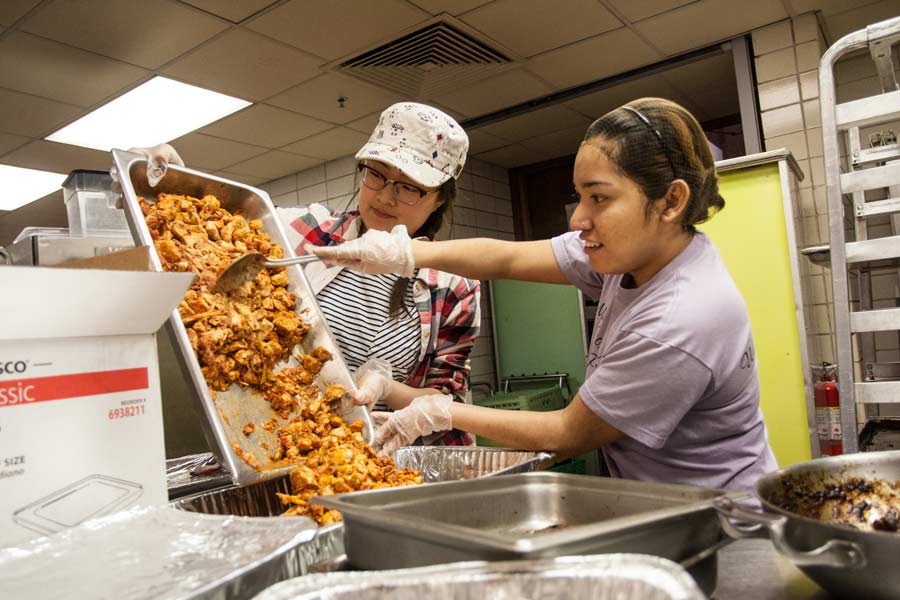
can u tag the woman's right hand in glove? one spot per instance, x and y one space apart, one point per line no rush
375 252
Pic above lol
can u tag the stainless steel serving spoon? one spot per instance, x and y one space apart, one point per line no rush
249 265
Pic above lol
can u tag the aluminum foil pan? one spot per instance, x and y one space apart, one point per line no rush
608 576
255 500
451 463
165 553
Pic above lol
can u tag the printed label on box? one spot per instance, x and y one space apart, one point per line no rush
80 432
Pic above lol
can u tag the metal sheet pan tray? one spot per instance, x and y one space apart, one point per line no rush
606 576
233 409
526 516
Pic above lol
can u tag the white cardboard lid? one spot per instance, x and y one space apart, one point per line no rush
41 303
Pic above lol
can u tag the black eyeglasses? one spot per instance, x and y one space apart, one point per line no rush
404 193
659 136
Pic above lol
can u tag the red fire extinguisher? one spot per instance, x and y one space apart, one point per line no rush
828 410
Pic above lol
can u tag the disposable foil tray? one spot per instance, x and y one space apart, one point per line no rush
527 516
605 576
162 553
452 463
226 416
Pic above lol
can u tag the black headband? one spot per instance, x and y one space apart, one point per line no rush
659 136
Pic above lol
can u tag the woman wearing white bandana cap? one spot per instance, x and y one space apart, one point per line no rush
406 335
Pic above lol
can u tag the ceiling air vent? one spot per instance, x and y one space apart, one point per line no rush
427 62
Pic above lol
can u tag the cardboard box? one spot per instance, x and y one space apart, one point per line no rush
81 430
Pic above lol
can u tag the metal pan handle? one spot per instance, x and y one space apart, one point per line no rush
751 523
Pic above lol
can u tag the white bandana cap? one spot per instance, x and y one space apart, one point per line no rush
426 144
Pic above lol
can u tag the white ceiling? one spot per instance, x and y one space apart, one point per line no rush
60 59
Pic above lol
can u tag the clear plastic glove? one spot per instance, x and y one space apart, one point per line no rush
374 379
374 252
424 415
159 158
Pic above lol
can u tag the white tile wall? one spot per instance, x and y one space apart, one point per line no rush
483 208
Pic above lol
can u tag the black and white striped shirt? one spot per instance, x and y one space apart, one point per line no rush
356 308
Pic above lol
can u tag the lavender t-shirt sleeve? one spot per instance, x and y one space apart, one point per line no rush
573 262
627 391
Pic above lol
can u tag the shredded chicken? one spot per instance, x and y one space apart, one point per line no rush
241 336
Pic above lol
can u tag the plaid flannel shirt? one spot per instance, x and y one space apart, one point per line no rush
448 306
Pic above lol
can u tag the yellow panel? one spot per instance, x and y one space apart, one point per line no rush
750 235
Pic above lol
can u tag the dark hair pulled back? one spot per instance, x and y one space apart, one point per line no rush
653 142
429 229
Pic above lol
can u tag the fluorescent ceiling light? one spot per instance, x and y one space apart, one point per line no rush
154 112
21 186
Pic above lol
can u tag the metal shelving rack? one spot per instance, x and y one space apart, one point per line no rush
873 168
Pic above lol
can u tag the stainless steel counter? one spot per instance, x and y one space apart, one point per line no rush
754 570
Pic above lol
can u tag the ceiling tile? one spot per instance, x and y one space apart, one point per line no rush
676 31
13 10
849 21
452 7
513 155
537 122
167 28
58 158
33 116
52 70
245 65
557 143
273 164
330 144
530 27
334 28
241 178
264 125
635 10
499 92
201 151
9 142
827 7
318 98
481 141
233 10
366 124
610 54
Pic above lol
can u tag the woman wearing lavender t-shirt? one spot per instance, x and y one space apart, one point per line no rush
671 392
